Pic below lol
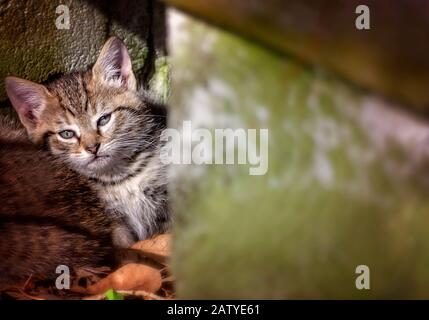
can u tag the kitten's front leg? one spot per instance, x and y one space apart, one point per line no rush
122 237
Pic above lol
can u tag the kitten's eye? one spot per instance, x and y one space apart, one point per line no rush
103 120
67 134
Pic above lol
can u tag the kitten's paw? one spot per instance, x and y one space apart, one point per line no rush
122 237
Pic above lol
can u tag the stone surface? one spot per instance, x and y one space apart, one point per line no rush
346 186
33 48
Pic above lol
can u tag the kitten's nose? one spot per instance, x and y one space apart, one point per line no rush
93 148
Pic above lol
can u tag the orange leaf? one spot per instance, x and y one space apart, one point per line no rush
132 276
158 246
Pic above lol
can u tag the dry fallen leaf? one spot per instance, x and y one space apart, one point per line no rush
150 278
158 246
132 276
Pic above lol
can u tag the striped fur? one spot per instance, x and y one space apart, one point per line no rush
49 215
125 169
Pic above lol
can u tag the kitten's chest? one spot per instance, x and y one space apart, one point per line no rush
128 201
125 200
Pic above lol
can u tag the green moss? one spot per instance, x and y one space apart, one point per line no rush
159 84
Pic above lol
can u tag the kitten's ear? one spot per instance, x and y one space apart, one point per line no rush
28 98
113 65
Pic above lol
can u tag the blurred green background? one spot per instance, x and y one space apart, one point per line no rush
347 181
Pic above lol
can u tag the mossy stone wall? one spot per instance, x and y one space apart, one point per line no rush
32 47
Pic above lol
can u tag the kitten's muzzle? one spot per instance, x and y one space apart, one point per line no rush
93 148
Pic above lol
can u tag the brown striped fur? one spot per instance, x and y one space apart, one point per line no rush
120 156
49 215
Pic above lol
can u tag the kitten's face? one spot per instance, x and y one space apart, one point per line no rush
93 121
98 134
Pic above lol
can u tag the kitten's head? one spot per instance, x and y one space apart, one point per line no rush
95 121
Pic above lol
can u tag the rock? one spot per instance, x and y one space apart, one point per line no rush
33 48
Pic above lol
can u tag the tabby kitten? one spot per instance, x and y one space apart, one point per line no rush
49 215
98 124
